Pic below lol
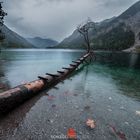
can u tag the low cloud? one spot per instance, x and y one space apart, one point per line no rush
58 18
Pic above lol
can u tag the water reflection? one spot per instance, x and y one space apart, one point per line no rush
103 87
129 60
23 66
94 86
20 66
126 80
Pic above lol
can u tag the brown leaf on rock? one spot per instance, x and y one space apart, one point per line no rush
90 123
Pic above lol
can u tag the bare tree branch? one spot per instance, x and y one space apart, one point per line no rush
84 31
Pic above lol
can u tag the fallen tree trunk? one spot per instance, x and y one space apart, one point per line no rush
15 96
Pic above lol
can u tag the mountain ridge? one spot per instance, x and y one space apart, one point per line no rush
13 40
118 33
39 42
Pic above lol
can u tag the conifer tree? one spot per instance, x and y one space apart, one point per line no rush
2 15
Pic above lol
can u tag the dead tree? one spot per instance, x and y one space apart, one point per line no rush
84 31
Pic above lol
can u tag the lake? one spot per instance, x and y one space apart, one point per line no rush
106 91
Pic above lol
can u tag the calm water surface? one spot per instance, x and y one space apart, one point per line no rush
107 91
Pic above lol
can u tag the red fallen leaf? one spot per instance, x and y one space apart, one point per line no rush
51 97
120 134
71 134
113 129
90 123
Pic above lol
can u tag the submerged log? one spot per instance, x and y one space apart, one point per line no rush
77 62
67 68
53 75
73 65
15 96
61 72
43 78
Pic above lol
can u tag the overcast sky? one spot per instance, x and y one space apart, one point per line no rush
58 18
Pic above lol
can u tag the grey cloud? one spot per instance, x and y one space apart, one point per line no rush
58 18
116 3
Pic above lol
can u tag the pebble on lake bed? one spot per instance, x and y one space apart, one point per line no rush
109 109
87 107
138 113
127 123
122 108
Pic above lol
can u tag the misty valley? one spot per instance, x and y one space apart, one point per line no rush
65 79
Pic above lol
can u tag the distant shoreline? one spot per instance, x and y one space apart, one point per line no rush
62 49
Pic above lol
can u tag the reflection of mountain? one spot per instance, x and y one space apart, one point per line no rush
13 40
118 33
129 60
127 80
42 43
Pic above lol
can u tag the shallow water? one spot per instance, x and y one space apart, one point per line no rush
105 91
20 66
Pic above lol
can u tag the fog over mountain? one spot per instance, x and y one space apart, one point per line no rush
58 18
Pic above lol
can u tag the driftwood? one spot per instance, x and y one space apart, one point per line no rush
15 96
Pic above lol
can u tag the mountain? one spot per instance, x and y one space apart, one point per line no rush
117 33
42 43
13 40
